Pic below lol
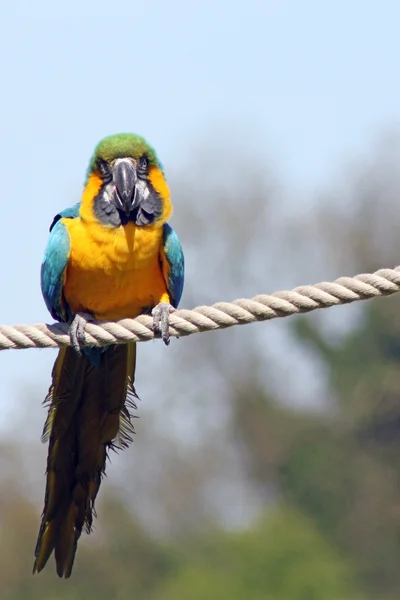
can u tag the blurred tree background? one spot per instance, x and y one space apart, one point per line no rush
266 464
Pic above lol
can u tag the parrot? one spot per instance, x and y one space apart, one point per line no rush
110 256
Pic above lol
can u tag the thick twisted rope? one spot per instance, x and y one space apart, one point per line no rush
206 318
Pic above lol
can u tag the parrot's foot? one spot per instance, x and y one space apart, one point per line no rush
77 330
161 314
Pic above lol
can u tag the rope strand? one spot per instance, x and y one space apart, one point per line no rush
208 318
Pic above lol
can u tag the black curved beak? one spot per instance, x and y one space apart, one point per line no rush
125 179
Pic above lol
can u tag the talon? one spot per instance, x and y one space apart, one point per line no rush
77 330
160 315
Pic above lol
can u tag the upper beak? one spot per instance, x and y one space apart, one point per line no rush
125 179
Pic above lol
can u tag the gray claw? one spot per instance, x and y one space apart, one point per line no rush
161 314
77 330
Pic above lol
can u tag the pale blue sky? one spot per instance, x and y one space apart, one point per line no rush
307 84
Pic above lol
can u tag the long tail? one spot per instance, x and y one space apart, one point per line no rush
88 414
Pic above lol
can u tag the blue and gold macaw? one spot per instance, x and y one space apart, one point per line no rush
111 256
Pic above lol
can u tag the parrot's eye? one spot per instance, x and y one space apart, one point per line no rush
143 162
105 172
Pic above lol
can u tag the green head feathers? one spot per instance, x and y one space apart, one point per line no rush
121 145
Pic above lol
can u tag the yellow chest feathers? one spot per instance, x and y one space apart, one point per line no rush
109 250
113 272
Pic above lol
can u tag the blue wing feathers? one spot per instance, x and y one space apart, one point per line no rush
52 275
52 272
172 250
67 213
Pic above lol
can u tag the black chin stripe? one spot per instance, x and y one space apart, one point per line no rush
148 211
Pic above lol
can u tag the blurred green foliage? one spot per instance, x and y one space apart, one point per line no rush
281 556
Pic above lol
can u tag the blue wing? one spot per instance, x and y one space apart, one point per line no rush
173 264
54 264
67 213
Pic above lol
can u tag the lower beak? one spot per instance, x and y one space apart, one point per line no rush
125 179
